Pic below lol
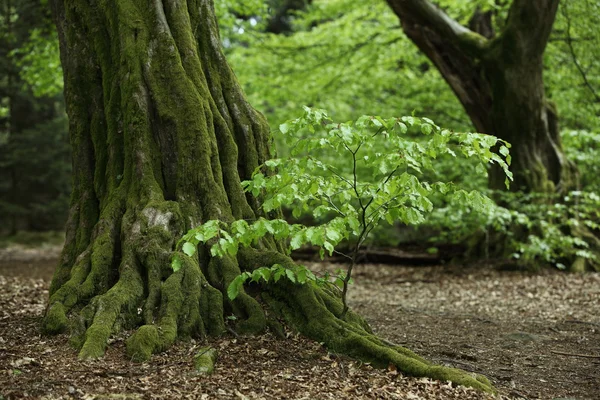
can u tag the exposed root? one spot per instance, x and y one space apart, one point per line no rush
122 298
188 304
190 307
304 308
317 314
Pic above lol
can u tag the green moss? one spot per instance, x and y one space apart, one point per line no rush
211 310
579 265
143 343
205 359
55 320
123 297
473 43
305 309
254 321
275 327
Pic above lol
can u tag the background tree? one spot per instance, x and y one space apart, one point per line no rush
161 136
498 78
353 58
34 151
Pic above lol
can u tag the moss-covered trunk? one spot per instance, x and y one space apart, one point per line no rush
520 113
162 135
156 121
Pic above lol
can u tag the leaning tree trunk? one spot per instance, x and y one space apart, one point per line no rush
162 135
498 80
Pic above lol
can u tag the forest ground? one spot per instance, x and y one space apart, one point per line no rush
536 336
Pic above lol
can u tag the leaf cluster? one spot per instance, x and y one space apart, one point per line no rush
377 182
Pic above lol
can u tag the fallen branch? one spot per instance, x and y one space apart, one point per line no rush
563 353
575 321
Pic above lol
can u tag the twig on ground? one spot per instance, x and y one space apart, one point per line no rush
564 353
234 333
519 394
575 321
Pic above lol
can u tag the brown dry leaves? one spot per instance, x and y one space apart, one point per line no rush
248 368
457 318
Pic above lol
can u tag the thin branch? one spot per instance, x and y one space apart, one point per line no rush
342 254
338 175
578 65
564 353
332 204
468 41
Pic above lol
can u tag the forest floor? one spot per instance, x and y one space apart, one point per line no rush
536 336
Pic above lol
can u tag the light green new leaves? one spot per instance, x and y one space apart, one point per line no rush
39 63
299 274
374 171
373 179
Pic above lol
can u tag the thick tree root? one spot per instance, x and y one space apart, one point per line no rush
317 314
167 306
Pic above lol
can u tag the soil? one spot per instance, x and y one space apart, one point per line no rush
536 336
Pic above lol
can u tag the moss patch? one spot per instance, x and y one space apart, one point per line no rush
205 359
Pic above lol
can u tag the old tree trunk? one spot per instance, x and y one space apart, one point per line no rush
162 135
498 78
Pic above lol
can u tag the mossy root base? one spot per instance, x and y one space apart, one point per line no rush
187 304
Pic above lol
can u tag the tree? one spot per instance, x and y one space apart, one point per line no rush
34 152
280 21
498 79
162 135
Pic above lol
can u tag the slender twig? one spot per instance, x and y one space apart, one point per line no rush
578 65
564 353
338 175
332 204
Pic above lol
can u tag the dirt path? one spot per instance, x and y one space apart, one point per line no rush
535 336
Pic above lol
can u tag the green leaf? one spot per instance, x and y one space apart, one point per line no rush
278 272
333 234
234 287
302 274
189 249
265 273
297 240
290 275
176 264
256 275
284 128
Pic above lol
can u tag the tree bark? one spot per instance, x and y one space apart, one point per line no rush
498 79
280 22
161 136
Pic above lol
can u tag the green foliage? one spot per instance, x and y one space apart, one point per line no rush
39 62
35 160
551 225
583 147
299 274
348 57
376 183
572 71
554 224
